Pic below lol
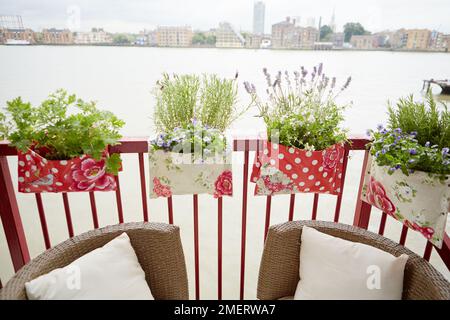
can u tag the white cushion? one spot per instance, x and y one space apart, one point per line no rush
333 268
109 272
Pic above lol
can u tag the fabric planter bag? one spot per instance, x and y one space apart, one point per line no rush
420 201
174 173
283 170
37 174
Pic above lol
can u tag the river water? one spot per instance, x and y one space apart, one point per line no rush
121 80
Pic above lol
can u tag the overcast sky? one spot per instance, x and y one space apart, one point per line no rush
135 15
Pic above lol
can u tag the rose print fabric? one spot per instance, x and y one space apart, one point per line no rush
279 170
173 173
37 174
420 201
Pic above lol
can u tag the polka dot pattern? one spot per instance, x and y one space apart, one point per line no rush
294 170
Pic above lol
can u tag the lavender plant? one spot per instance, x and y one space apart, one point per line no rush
300 109
417 138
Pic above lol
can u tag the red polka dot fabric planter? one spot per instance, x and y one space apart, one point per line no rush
284 170
37 174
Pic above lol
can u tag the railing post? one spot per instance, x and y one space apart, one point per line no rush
9 213
362 211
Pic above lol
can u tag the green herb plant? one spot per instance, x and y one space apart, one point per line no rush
63 127
189 108
417 137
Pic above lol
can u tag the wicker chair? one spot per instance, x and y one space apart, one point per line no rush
279 270
157 246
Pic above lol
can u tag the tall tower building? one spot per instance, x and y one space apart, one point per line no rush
333 22
259 11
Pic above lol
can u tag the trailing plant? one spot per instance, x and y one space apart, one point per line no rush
195 138
61 128
301 110
189 107
417 138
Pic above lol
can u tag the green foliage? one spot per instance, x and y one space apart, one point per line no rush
176 101
325 32
302 113
353 28
218 99
200 38
424 118
402 151
123 39
182 98
64 126
417 138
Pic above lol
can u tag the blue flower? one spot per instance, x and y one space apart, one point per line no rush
413 133
445 151
412 152
377 154
369 133
411 160
398 130
427 144
383 151
380 127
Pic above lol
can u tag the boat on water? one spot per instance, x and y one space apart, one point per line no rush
444 84
14 42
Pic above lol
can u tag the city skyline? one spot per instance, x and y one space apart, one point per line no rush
136 15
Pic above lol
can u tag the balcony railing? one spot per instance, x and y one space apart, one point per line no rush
18 246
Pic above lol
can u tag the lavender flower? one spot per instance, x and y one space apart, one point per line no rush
247 87
427 144
304 71
319 71
347 83
333 82
412 152
445 152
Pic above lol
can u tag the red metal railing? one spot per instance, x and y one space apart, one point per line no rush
17 244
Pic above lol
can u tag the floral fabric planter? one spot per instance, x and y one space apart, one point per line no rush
37 174
173 173
284 170
420 201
